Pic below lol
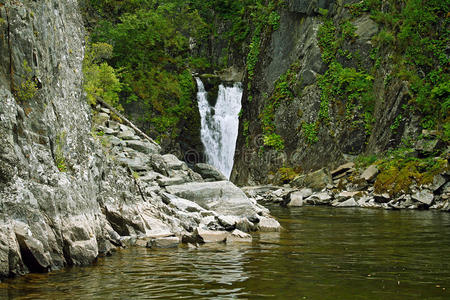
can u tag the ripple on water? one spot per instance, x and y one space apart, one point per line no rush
324 253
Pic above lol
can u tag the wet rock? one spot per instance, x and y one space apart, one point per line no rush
237 236
210 236
164 242
209 172
424 196
370 173
317 180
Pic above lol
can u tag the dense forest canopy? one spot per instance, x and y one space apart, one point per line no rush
148 49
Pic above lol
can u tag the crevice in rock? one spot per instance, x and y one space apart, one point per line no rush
11 63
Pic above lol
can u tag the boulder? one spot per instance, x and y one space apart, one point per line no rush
209 172
228 222
210 236
135 164
343 169
438 182
347 203
101 118
370 173
319 199
366 28
127 135
427 147
143 146
317 180
181 204
164 242
424 196
237 236
172 162
222 197
342 196
268 224
296 199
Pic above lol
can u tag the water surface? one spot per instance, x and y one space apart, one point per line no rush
324 253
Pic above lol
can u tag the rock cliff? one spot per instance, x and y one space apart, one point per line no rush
70 190
300 111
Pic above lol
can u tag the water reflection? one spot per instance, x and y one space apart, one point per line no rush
323 253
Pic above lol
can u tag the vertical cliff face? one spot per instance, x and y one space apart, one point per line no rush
71 191
294 94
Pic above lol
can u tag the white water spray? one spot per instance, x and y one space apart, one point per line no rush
219 125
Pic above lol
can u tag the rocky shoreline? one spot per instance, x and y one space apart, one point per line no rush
348 187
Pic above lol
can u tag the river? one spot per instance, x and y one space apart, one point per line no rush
323 253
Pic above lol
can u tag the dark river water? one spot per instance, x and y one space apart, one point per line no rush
323 253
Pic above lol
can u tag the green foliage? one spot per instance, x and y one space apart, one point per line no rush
346 85
418 31
245 133
394 126
100 79
151 57
327 40
274 140
59 153
348 30
28 88
310 131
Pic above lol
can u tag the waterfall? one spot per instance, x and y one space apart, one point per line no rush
219 125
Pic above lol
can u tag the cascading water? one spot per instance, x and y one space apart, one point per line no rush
219 125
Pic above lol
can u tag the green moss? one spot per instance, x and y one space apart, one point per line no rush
399 170
287 174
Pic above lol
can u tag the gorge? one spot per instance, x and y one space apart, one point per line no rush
154 131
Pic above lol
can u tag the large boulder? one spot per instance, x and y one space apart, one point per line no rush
222 197
317 180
